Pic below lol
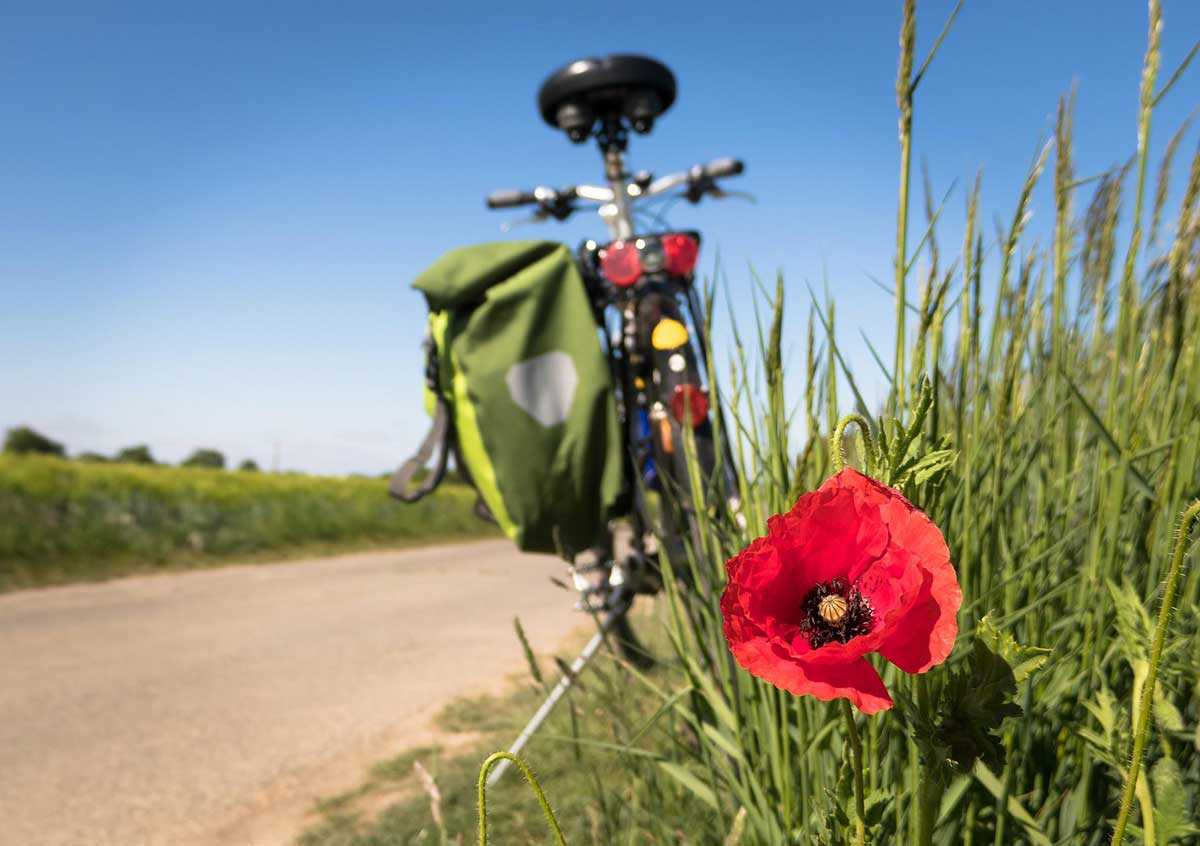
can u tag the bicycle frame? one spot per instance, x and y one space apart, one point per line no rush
658 381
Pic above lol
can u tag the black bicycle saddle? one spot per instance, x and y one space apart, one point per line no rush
636 87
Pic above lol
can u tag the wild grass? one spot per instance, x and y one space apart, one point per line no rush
1060 432
64 521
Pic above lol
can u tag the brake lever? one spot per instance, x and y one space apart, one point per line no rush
537 217
694 197
722 194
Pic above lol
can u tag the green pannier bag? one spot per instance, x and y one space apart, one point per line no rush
521 392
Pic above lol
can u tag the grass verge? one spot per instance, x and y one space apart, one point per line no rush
581 755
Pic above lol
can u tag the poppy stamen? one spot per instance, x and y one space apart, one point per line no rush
835 611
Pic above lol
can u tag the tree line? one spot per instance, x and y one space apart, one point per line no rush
23 440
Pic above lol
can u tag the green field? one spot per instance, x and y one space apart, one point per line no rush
63 521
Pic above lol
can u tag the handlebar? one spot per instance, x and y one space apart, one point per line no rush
718 168
510 199
697 181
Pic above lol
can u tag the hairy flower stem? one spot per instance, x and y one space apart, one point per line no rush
860 799
837 444
494 758
1156 651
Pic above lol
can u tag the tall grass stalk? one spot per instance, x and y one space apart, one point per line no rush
905 87
1145 706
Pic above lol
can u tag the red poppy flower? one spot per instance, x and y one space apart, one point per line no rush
853 568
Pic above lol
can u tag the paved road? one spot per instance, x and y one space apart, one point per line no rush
212 707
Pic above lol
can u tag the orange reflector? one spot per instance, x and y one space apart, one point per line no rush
664 431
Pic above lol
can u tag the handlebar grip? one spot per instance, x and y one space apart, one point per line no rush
723 167
509 199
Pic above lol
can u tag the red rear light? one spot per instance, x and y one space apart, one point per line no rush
680 252
621 263
690 400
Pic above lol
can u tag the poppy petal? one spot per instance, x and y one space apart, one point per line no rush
855 680
925 634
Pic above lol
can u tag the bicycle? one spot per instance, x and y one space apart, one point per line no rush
643 298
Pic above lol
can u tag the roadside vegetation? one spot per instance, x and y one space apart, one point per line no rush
70 520
1044 412
427 795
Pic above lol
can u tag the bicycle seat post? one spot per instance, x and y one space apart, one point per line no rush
613 140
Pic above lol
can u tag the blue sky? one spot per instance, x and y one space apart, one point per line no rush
210 214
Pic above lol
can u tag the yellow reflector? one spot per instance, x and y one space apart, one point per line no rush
639 383
669 334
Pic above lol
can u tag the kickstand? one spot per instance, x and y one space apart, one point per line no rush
556 694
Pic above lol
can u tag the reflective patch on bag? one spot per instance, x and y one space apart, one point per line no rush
544 386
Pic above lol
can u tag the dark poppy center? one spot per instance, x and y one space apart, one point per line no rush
834 610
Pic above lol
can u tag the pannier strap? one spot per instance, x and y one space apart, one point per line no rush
438 438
